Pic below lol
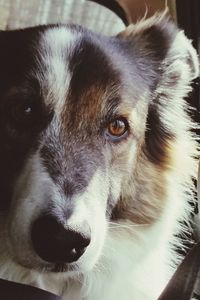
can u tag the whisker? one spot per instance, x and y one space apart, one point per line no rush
117 225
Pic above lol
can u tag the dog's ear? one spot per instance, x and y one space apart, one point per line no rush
158 44
167 63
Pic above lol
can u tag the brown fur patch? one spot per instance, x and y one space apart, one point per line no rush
87 111
143 196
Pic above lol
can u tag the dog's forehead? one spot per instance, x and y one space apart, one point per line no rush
74 70
53 74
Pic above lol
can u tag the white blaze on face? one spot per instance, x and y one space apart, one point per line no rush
56 46
90 209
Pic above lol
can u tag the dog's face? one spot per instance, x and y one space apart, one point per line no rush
82 141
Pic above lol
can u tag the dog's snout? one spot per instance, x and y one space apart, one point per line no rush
55 243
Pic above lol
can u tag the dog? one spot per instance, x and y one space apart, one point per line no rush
97 158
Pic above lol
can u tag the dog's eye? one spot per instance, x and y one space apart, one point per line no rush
21 112
117 129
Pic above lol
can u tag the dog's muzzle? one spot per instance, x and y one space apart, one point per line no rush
55 243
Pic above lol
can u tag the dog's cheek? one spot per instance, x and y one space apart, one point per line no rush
121 169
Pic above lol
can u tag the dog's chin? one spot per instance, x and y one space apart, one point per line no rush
54 268
45 267
70 269
58 268
63 268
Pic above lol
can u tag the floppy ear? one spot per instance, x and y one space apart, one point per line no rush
167 63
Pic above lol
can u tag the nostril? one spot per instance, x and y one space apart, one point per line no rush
54 243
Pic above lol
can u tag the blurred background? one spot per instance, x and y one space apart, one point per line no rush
23 13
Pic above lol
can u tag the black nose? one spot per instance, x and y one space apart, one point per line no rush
54 243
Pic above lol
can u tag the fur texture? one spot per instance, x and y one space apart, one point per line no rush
60 89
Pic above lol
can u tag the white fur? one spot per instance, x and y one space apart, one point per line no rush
53 55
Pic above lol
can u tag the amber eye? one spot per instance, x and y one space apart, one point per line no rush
117 129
